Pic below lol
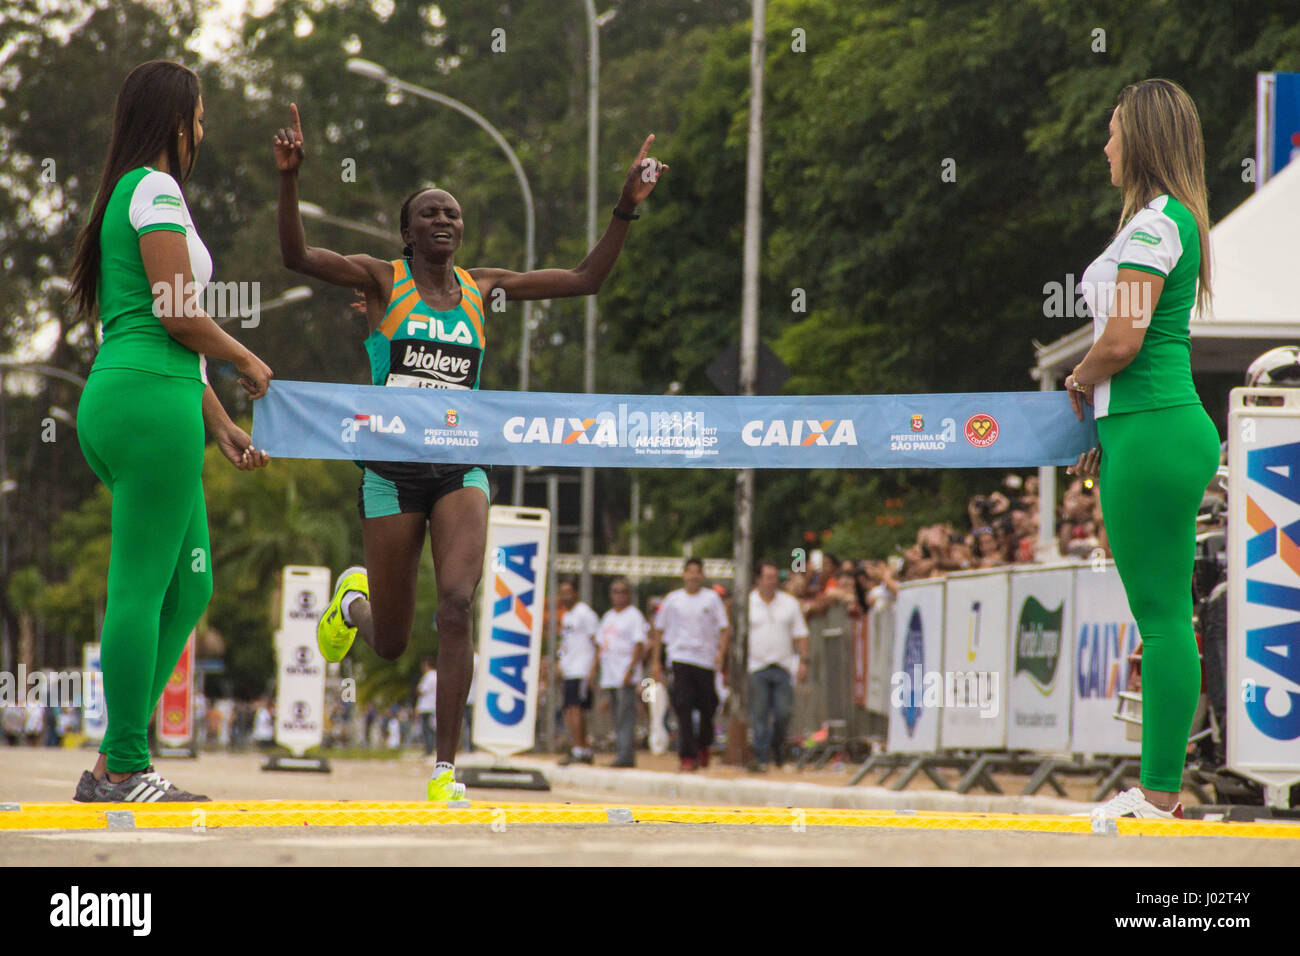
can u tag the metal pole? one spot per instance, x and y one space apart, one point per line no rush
6 663
553 504
743 552
1047 549
636 536
588 505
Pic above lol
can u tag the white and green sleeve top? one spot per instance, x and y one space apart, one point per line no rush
1161 239
144 200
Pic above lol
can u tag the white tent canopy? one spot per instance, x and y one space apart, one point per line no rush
1255 271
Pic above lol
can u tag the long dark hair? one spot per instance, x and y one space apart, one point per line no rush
157 100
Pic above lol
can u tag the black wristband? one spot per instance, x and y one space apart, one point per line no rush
625 216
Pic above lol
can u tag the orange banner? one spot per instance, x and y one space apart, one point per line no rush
176 709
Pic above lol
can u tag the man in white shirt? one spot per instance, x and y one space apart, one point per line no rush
620 646
426 704
778 651
692 625
577 660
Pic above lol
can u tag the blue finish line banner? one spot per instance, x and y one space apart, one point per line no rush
367 422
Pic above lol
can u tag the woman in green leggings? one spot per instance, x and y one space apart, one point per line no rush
141 418
1159 448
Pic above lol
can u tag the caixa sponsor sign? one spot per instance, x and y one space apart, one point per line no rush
514 580
761 433
510 619
1272 609
1101 657
1264 584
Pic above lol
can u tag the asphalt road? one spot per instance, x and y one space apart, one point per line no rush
36 775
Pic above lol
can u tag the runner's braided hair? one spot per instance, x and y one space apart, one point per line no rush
405 218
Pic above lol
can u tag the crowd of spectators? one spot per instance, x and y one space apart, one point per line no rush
830 581
1001 528
1004 527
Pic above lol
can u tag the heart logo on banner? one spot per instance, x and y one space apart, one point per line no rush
981 430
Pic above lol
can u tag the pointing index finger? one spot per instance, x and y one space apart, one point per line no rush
645 148
297 123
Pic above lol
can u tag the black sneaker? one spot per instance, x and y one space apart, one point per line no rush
143 786
86 788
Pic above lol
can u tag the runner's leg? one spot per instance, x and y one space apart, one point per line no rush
392 545
458 528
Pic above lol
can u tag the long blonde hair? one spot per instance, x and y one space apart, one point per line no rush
1162 151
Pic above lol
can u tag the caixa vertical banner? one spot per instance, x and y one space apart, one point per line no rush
511 615
300 669
1264 588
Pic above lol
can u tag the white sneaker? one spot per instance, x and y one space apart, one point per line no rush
1131 803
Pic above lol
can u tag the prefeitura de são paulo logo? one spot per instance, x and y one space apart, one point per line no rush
981 430
453 418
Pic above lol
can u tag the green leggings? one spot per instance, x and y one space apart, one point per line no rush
1155 467
143 436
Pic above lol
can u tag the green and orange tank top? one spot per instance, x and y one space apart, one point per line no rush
416 346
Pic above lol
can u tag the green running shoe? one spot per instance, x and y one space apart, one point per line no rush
334 636
444 787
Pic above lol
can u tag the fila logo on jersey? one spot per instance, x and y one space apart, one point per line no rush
801 431
459 333
375 423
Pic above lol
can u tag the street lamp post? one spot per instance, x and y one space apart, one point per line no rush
742 552
588 497
376 72
312 211
299 293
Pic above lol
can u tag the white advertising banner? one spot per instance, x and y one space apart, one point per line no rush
918 648
511 614
1264 587
1042 632
300 675
975 648
1105 635
880 650
94 712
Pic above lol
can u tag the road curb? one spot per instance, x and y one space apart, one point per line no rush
772 793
